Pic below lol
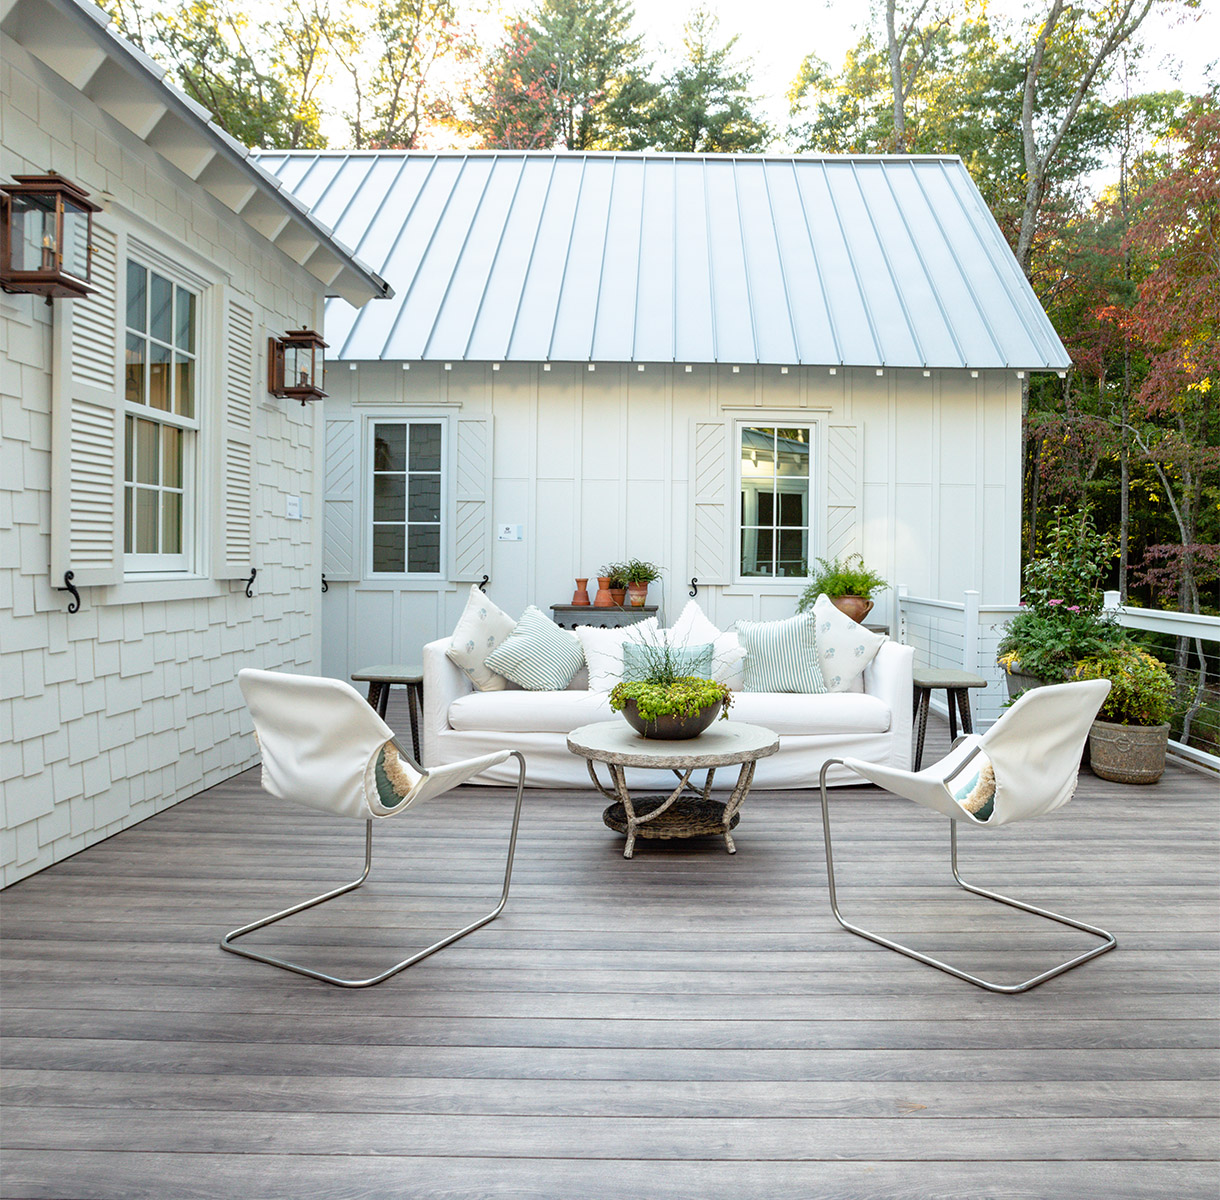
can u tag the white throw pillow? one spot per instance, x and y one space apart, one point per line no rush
604 650
480 629
693 628
845 647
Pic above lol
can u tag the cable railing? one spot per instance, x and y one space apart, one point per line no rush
963 635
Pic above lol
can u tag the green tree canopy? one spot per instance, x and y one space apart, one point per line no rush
705 104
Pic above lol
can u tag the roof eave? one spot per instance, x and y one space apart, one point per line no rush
132 89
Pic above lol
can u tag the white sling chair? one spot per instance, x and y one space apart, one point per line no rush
324 745
1034 751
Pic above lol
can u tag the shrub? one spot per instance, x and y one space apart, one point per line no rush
1141 690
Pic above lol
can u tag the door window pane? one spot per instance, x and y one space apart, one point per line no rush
388 548
425 447
137 296
389 498
424 549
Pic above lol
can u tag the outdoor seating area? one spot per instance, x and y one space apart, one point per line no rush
686 1023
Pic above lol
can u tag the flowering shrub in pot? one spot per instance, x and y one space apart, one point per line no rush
1128 740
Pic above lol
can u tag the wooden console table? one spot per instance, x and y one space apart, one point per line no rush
568 616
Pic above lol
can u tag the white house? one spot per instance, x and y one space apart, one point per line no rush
141 450
592 356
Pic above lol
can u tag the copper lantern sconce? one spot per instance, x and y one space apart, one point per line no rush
46 236
296 365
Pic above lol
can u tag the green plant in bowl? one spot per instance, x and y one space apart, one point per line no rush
668 702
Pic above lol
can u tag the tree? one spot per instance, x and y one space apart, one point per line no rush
909 47
1076 46
705 102
592 68
508 106
1177 317
390 50
259 80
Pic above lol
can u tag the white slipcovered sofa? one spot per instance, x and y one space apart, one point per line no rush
872 724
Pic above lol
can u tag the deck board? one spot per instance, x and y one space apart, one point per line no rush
685 1023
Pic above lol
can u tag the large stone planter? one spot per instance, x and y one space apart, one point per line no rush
1128 753
669 727
1019 681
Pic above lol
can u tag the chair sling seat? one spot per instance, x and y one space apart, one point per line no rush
323 745
1033 751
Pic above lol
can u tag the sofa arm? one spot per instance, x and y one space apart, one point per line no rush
891 678
443 684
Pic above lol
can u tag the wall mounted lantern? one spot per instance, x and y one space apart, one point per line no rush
296 365
46 236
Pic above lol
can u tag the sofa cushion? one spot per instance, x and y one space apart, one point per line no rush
787 713
845 647
480 629
728 655
811 713
529 712
537 654
781 656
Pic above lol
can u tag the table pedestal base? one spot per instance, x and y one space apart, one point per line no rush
690 817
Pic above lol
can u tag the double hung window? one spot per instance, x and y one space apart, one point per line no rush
161 421
775 487
407 497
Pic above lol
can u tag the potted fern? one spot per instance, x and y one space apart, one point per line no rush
847 582
1127 742
638 575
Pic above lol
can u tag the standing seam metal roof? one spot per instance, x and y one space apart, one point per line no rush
502 256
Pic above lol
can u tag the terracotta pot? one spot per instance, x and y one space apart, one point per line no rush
603 599
581 595
637 594
618 596
1128 753
671 728
855 607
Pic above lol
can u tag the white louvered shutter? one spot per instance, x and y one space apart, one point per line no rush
340 487
842 490
472 499
233 542
86 427
711 502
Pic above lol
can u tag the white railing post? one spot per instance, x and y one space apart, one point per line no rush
970 632
1110 601
902 591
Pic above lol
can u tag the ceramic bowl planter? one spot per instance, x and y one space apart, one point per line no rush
637 594
670 727
1128 753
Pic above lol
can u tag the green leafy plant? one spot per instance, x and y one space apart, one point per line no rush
666 689
1141 689
1050 646
615 572
841 577
1061 621
684 697
636 570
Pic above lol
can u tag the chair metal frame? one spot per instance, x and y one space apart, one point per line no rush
1108 939
226 942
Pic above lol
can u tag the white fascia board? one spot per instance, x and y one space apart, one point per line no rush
73 39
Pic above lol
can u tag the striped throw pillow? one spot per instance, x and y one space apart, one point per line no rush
538 655
781 656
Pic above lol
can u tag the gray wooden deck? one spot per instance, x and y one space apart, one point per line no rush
686 1024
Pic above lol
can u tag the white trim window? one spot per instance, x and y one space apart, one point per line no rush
775 487
161 420
406 498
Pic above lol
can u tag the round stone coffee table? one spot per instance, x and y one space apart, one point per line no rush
726 743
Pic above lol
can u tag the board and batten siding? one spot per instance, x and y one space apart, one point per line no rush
120 710
918 474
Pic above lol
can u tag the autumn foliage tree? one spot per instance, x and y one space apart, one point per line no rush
508 105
